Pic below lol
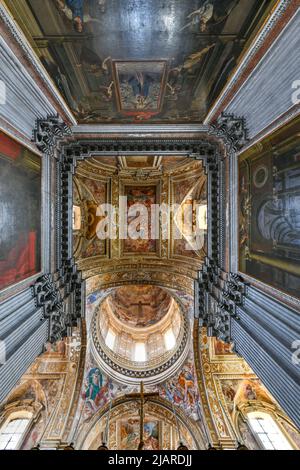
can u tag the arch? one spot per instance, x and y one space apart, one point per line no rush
88 436
263 408
29 391
25 410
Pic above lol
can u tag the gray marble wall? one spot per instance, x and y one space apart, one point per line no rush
267 93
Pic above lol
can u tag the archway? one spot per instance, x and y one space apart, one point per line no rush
160 427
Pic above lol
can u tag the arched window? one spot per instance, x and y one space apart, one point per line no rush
267 431
13 432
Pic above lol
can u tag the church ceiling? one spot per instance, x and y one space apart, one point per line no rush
176 182
139 60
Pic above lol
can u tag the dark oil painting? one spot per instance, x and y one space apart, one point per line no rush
20 212
122 61
269 221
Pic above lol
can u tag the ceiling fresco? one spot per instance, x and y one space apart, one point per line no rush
140 306
145 180
139 60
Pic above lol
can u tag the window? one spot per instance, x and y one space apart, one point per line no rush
268 432
125 345
202 217
110 339
170 340
140 352
155 345
12 433
76 218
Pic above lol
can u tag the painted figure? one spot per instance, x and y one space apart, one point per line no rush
140 84
76 7
74 11
95 383
151 436
211 12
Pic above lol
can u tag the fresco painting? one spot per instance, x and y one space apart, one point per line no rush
221 348
182 390
190 195
140 306
130 434
20 212
145 196
269 205
161 62
88 194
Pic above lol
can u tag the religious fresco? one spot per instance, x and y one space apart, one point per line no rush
239 390
88 194
20 212
97 389
130 434
140 306
140 86
221 348
190 219
182 390
269 213
145 196
139 60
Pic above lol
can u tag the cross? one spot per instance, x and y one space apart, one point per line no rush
143 397
140 306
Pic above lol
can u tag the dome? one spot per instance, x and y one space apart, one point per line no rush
140 332
140 305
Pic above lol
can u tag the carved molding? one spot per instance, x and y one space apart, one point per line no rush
47 133
233 130
218 294
52 292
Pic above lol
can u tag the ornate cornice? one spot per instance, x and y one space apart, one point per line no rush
48 132
232 130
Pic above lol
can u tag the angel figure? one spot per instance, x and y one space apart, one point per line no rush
211 12
201 16
74 11
190 62
107 91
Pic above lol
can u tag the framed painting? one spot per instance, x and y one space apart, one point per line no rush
20 212
269 216
140 85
